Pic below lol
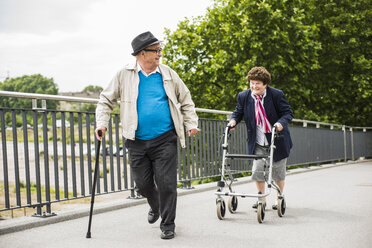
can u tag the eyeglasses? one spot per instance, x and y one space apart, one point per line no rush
158 50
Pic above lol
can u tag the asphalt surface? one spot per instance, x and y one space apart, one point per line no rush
328 206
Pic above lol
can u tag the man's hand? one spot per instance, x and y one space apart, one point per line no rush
103 130
232 124
192 132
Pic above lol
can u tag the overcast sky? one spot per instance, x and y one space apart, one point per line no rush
81 42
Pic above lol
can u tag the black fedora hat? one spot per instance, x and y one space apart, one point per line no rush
142 41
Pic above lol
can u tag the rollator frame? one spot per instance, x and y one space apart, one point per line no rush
233 201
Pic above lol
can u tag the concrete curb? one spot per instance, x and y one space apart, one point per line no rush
23 223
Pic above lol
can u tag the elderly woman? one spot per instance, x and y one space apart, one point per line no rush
263 107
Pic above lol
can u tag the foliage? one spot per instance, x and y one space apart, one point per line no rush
342 89
92 88
31 84
317 53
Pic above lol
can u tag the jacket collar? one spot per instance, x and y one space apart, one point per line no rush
163 70
131 66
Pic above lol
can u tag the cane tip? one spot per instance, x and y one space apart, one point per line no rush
88 235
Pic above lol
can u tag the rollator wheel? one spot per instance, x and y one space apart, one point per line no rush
260 212
233 204
221 209
281 207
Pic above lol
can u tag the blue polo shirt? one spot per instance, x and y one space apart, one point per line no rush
154 116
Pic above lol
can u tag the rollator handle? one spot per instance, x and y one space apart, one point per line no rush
277 134
229 128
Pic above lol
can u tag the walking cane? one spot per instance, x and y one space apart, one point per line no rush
96 169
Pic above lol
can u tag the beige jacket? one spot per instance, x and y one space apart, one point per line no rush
124 87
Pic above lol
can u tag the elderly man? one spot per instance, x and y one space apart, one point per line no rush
155 107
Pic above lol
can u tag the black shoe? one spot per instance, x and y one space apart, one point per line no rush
167 235
275 207
152 217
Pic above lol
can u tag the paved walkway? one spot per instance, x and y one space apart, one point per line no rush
328 206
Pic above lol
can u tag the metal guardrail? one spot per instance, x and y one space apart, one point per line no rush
44 97
48 159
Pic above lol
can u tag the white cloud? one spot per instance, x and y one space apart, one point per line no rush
81 42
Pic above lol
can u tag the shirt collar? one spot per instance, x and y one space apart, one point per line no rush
139 68
264 94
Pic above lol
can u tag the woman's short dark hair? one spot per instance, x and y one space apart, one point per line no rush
259 73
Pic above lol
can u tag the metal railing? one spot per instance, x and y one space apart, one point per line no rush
48 158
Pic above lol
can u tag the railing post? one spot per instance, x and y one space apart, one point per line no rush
5 160
352 143
345 151
34 104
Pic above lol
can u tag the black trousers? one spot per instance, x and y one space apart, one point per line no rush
154 169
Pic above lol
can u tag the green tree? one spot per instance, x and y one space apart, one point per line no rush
89 107
213 54
341 88
92 88
319 54
30 84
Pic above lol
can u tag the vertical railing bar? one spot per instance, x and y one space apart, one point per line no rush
198 154
214 146
204 140
15 156
352 144
64 155
204 149
239 138
111 145
345 146
211 140
193 140
37 163
104 164
211 143
188 157
184 161
209 172
125 164
237 141
117 138
27 157
46 161
231 147
55 155
98 190
179 161
5 160
72 146
89 154
220 141
81 154
219 144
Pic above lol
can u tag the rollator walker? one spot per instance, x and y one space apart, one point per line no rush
227 179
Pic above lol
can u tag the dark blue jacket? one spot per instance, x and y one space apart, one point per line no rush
277 110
